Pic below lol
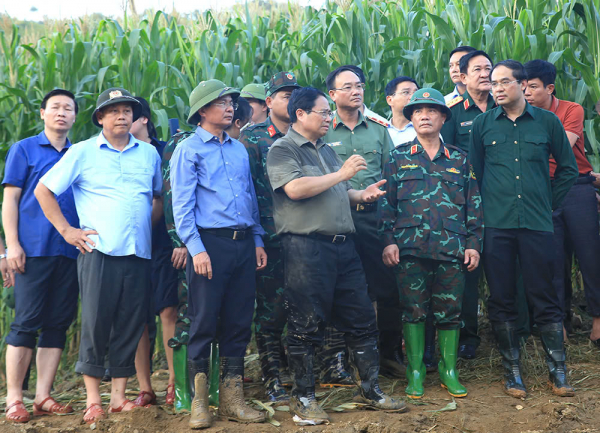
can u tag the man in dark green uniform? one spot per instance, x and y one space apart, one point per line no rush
354 133
433 227
269 318
475 70
510 149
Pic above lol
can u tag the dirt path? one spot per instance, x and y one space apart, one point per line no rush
486 409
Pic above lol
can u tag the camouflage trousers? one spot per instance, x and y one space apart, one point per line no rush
270 317
435 284
182 326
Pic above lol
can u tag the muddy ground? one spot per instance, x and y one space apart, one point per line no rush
485 409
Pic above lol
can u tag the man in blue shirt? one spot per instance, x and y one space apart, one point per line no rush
116 183
216 216
46 287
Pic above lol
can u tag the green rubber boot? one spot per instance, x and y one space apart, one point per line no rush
183 398
215 375
448 340
414 340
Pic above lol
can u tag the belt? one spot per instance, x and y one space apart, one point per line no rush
584 179
365 207
333 239
236 235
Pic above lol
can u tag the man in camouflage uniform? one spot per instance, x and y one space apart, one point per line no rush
433 226
269 318
179 342
255 94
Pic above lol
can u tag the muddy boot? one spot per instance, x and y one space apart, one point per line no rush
183 398
269 354
284 371
200 417
391 360
552 341
414 339
231 393
508 344
332 360
365 357
303 402
429 358
448 340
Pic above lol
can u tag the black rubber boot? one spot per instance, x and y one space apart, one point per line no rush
508 344
200 416
269 351
429 358
552 341
303 402
365 357
332 360
391 360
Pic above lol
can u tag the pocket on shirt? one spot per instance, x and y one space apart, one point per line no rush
535 148
139 174
456 227
410 184
454 186
491 146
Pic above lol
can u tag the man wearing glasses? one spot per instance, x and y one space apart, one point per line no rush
324 280
510 148
397 95
216 217
353 133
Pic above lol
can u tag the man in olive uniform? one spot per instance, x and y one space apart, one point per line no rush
269 318
354 133
433 226
510 149
254 93
475 68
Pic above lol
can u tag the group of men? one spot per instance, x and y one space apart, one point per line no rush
355 232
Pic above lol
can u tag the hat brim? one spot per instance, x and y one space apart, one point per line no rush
137 107
286 86
194 117
409 108
250 95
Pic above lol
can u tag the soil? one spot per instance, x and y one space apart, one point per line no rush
485 409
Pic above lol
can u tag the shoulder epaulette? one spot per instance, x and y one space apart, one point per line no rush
451 103
377 119
455 148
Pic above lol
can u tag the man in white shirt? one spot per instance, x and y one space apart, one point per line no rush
454 69
397 94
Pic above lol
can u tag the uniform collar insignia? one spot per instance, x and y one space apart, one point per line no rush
414 149
335 121
447 152
467 104
271 130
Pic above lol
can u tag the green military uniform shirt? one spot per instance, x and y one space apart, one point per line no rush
457 130
510 161
258 140
369 138
432 207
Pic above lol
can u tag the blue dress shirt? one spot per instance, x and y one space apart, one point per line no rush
27 161
113 192
212 188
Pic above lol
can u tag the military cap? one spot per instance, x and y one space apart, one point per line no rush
427 96
280 81
116 95
254 91
206 92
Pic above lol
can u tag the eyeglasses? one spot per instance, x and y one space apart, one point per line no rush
226 104
404 93
503 83
358 87
323 113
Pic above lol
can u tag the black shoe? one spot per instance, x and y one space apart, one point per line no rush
467 351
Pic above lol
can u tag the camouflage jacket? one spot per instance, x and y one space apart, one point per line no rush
167 195
432 208
258 140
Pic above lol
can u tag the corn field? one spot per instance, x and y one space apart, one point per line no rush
162 57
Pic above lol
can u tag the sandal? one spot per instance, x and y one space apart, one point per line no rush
141 402
20 415
93 413
170 399
55 408
120 408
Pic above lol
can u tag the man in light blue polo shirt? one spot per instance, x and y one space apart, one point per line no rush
116 182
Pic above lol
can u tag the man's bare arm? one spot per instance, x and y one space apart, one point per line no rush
10 221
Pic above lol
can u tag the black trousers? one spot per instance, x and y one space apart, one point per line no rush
223 305
115 299
535 252
470 307
576 222
325 284
45 300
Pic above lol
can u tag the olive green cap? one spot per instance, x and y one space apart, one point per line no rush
427 96
206 92
116 95
254 91
281 80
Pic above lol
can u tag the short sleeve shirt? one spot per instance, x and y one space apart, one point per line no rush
27 161
293 157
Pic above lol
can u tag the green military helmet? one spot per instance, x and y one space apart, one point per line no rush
426 96
281 80
206 92
254 91
116 95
